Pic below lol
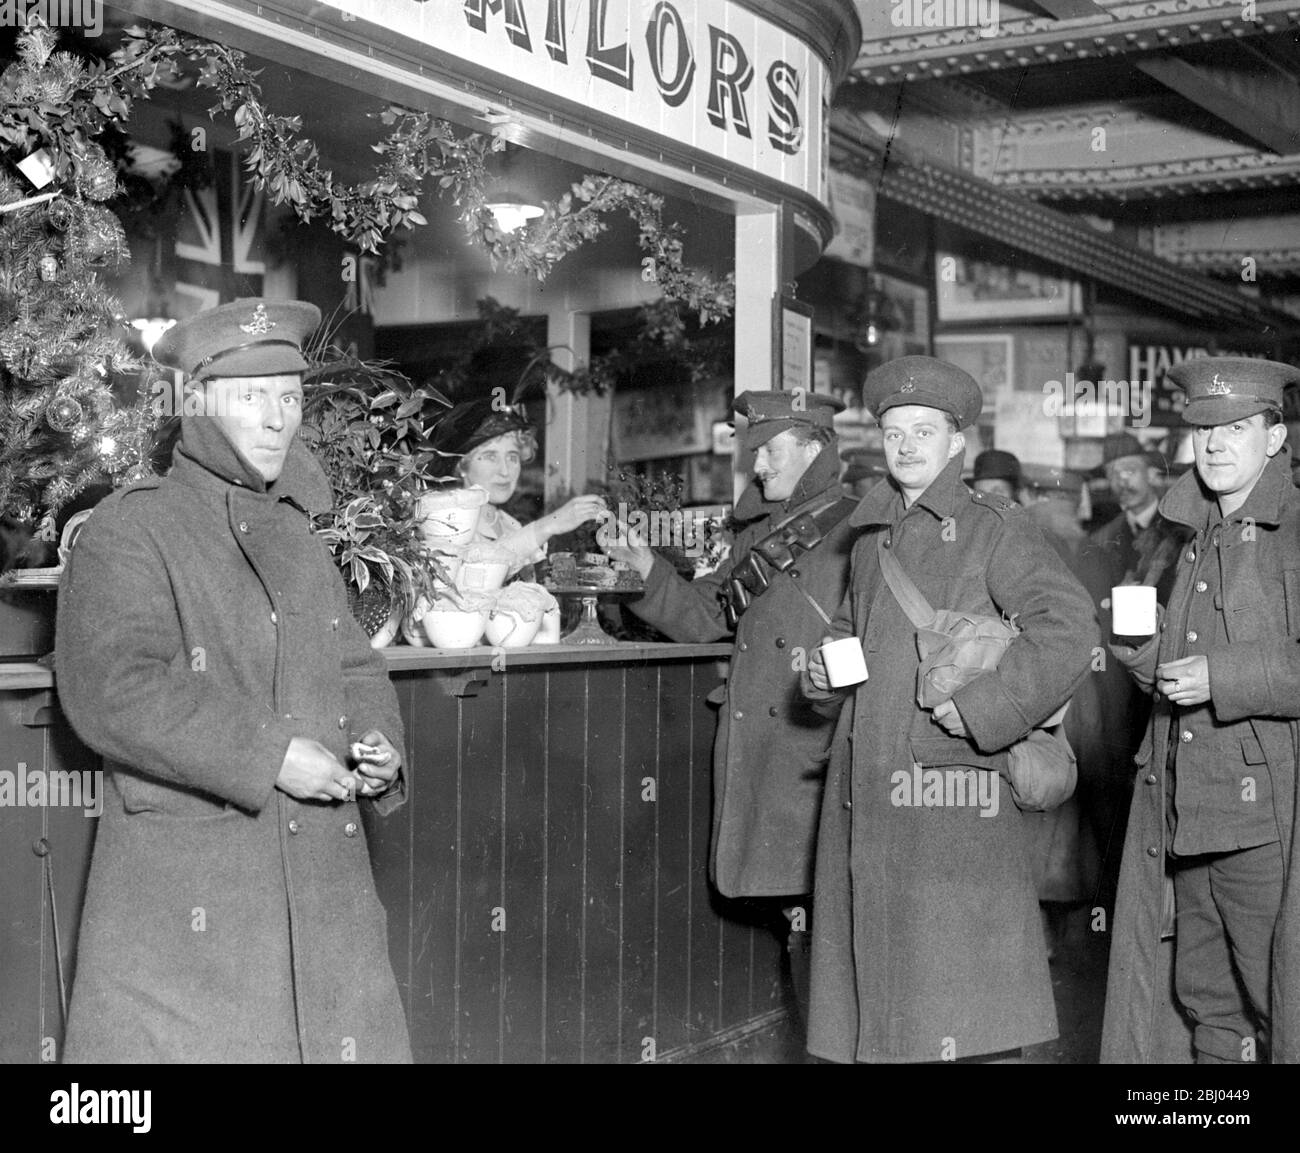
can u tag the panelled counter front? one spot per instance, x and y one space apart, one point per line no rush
546 882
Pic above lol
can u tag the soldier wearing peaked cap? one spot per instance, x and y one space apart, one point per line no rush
786 573
907 879
1214 798
207 652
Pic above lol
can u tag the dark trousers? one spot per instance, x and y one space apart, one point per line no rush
1227 906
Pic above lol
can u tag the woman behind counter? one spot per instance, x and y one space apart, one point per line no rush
487 447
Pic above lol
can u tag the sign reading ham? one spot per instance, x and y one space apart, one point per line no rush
705 73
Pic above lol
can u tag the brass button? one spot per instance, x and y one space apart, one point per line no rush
1151 778
794 572
1152 851
343 722
889 543
1191 554
847 805
780 642
275 620
738 714
1191 636
1187 736
771 711
350 829
294 826
744 647
1201 586
243 526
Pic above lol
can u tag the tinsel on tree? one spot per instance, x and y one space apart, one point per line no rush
63 334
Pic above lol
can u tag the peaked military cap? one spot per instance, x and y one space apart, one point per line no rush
994 464
924 380
1220 389
248 337
768 412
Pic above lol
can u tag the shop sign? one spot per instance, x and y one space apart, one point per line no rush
705 73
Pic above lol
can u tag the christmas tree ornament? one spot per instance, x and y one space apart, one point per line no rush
49 268
100 239
60 214
64 413
97 178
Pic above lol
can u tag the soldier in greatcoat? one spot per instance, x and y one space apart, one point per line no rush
205 648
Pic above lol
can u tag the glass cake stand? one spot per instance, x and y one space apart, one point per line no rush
588 631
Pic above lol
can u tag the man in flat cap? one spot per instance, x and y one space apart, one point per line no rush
786 574
1214 791
928 944
205 648
997 472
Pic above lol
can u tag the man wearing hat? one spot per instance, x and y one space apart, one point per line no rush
997 472
1214 793
1137 540
927 944
205 649
786 574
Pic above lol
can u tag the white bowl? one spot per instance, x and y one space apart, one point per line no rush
449 627
510 630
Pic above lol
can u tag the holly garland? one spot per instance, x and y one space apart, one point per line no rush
419 147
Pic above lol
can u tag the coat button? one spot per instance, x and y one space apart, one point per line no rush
1201 586
275 620
771 711
1191 636
738 714
1191 554
334 624
794 572
1151 778
780 642
1152 851
846 805
1187 736
243 526
343 722
350 829
889 543
294 826
743 646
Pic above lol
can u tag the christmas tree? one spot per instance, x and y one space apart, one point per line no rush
63 335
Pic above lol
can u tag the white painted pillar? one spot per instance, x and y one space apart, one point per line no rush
568 416
759 251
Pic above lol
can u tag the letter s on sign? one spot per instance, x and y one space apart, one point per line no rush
784 128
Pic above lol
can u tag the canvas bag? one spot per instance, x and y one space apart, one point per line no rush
956 647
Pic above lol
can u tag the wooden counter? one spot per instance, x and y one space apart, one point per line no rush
546 883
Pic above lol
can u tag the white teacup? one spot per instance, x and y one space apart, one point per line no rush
845 664
1133 610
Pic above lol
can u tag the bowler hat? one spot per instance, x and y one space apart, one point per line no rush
247 337
927 381
1221 389
994 464
1119 445
768 412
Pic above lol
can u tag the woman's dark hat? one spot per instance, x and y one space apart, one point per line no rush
470 424
248 337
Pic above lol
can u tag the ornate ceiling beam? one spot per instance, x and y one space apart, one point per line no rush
1236 97
1051 236
914 51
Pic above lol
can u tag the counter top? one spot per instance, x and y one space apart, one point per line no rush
408 658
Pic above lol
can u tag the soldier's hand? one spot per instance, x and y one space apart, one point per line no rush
1185 682
310 772
817 667
377 762
627 544
945 712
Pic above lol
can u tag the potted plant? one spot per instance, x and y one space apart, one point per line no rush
369 427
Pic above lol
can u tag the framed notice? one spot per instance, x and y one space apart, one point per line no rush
988 357
794 332
985 290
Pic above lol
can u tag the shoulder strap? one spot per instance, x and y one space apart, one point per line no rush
910 598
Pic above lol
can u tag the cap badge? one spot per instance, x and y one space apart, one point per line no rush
908 386
259 324
1218 386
